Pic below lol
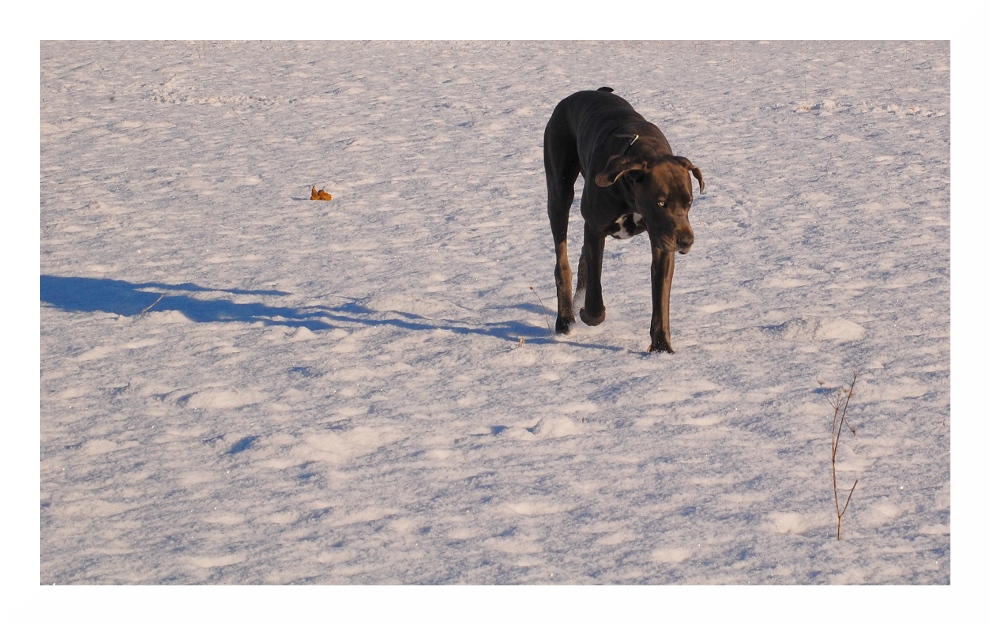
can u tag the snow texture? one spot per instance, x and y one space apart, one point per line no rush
243 386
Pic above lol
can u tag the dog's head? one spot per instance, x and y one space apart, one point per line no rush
661 190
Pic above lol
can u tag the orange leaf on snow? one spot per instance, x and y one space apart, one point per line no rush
320 195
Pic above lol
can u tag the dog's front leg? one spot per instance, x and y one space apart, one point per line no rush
562 278
662 272
590 268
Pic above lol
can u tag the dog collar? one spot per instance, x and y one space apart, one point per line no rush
629 145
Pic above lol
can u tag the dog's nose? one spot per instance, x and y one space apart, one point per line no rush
684 241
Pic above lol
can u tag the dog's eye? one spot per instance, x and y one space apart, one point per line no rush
661 203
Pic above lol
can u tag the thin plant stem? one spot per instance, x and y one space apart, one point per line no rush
152 304
545 315
840 404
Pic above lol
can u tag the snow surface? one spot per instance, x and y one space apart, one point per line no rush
243 386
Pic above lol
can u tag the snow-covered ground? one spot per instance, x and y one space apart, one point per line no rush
243 386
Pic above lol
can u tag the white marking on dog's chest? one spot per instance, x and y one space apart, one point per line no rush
627 226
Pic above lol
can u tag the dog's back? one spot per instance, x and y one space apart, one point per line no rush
582 120
592 109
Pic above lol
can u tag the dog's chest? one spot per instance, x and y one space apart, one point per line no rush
629 225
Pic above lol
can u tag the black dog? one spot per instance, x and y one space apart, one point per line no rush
639 185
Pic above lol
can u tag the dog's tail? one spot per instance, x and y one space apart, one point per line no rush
608 89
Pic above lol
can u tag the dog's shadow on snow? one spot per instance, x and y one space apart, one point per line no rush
131 299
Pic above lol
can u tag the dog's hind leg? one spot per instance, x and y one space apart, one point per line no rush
582 281
562 168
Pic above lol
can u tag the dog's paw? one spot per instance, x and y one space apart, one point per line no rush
592 321
564 325
661 346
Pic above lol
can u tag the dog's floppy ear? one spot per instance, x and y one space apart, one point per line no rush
694 170
617 166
